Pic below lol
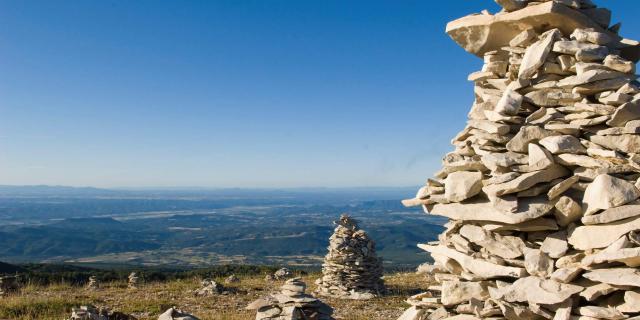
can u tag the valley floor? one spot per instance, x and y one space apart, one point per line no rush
55 301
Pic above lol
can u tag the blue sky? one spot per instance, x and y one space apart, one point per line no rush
234 93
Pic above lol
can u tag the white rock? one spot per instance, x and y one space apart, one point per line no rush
537 290
462 185
615 276
555 245
537 53
567 211
582 237
607 192
539 158
563 144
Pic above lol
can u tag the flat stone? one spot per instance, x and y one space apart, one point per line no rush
536 54
552 97
536 290
507 247
607 192
539 224
589 77
524 38
582 238
510 103
479 34
483 210
563 144
586 35
614 214
566 275
458 292
561 187
596 291
538 263
505 159
527 180
628 256
526 135
490 127
626 112
462 185
603 85
619 64
600 313
615 276
481 268
627 143
555 245
539 158
567 211
631 302
578 160
413 313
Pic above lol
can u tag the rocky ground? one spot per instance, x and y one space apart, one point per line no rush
151 299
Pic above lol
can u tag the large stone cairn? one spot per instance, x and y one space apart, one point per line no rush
8 285
351 268
542 188
292 303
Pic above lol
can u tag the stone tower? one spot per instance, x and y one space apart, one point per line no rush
351 269
541 190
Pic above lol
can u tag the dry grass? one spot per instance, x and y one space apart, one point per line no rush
56 301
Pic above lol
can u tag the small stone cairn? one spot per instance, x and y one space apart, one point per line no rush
9 285
93 283
92 313
176 314
210 288
351 269
133 281
282 274
232 279
542 188
292 303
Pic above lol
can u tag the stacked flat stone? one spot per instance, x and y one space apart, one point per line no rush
351 269
92 313
132 281
210 288
542 188
8 285
282 274
93 283
292 303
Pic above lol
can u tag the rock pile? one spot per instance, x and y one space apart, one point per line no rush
93 283
232 279
542 188
92 313
210 288
351 269
291 304
8 285
282 274
176 314
133 281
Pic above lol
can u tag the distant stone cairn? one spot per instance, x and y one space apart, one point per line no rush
351 269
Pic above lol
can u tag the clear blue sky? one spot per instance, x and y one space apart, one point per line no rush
266 93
